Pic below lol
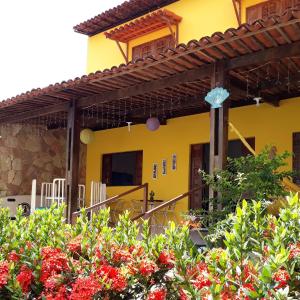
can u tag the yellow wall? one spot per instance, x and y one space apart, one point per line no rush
200 18
269 125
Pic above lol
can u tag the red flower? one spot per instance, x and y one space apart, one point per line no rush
202 281
74 245
158 294
112 276
136 250
183 295
294 250
54 262
3 273
13 256
85 288
166 259
29 245
147 268
120 256
281 277
61 294
242 293
48 252
53 282
249 273
25 278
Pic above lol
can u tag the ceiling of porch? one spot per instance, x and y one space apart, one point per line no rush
262 60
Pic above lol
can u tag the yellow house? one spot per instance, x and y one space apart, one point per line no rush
150 65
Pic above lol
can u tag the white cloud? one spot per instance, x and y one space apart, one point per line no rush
38 45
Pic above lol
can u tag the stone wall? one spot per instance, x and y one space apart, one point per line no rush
28 153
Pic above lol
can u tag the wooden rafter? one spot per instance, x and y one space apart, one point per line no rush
237 4
125 55
204 71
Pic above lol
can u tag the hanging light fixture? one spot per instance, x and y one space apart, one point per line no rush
216 97
129 126
153 124
257 100
86 136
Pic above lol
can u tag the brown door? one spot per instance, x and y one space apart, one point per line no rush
196 161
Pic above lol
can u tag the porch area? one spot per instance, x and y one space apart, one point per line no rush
258 64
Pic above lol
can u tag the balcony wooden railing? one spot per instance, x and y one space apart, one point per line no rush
92 209
147 214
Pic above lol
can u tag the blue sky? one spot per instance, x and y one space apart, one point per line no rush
38 45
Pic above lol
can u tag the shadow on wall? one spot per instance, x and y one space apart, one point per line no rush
28 152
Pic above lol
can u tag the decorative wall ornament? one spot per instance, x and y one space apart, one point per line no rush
86 136
153 124
216 97
155 171
164 167
174 162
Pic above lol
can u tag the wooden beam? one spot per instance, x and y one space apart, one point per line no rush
218 126
122 51
238 10
72 159
259 57
148 87
264 56
47 110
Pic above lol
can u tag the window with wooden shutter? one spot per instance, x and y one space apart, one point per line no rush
296 157
153 48
106 168
269 8
122 169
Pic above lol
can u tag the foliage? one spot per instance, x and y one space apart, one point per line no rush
248 177
42 257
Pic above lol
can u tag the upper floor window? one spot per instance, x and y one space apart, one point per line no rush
269 8
154 47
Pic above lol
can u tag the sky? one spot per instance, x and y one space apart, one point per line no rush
38 45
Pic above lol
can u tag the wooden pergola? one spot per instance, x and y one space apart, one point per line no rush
258 60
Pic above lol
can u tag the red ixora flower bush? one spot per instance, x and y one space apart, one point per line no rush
44 258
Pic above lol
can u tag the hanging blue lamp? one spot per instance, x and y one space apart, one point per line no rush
216 97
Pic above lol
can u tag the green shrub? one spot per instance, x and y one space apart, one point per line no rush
42 257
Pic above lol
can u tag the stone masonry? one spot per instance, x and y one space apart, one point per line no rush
27 153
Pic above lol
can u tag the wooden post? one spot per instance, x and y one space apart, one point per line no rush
146 197
218 126
72 159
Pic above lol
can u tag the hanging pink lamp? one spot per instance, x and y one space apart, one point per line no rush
152 124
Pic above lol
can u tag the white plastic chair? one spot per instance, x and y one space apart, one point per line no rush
58 191
46 194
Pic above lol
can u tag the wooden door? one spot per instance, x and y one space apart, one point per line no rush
196 163
296 157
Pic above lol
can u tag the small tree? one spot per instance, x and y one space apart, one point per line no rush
249 177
